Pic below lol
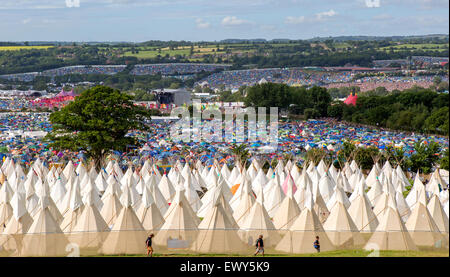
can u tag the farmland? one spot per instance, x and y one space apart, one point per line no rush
17 48
197 52
411 47
242 54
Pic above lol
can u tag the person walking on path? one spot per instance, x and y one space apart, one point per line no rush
148 243
260 246
317 244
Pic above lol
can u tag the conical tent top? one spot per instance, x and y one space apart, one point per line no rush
179 196
6 192
392 203
91 195
147 198
18 203
340 197
44 201
309 200
361 187
125 198
289 186
421 194
75 198
260 197
417 181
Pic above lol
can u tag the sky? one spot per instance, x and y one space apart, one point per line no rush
209 20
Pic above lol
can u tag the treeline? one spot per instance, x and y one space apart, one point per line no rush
142 95
36 60
424 158
123 81
6 43
415 110
312 102
256 54
327 58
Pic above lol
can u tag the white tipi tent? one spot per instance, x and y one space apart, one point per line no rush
391 233
127 234
258 222
340 227
217 233
90 229
303 232
45 237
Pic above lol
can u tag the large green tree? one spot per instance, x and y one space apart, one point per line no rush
298 100
416 109
269 95
438 121
336 110
365 157
240 152
426 156
444 162
96 122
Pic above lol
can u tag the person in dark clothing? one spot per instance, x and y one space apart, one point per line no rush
317 244
148 243
259 245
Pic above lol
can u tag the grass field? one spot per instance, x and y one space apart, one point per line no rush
338 253
424 46
147 52
341 45
423 252
16 48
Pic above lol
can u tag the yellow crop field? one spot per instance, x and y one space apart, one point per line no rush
16 48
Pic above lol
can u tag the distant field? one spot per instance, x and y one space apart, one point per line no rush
16 48
341 45
424 46
145 52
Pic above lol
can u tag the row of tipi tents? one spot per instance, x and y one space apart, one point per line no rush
212 209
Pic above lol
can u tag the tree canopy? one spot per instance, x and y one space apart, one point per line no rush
96 122
298 100
415 110
425 157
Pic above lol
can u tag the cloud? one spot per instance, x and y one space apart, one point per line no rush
202 24
329 13
26 20
73 3
233 21
268 27
309 19
382 17
373 3
48 21
30 4
294 20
